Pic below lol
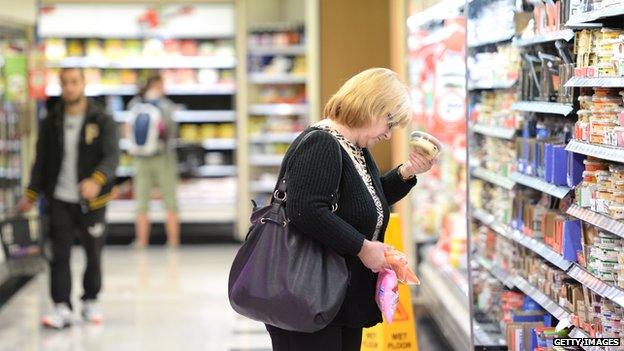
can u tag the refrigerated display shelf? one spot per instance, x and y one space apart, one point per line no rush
198 62
489 220
132 89
274 138
278 109
261 187
266 160
597 285
492 177
599 220
546 302
493 40
543 107
291 50
585 17
495 132
541 185
219 144
188 116
488 336
210 144
604 152
581 334
599 82
269 78
216 171
530 243
566 34
492 85
448 308
541 249
124 211
497 272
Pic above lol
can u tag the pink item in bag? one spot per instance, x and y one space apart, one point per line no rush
387 294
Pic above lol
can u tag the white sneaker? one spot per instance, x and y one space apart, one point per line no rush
61 317
91 312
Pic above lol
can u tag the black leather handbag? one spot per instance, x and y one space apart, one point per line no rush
283 278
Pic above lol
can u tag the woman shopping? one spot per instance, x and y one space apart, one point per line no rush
364 111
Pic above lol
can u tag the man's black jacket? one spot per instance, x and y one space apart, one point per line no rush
98 153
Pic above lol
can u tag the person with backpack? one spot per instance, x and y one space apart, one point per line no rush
152 133
76 157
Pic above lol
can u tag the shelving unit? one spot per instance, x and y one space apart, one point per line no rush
604 152
565 34
541 185
448 304
20 235
494 178
195 54
495 132
492 85
602 82
599 220
495 39
591 16
543 107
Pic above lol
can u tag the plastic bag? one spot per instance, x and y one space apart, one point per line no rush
398 261
387 294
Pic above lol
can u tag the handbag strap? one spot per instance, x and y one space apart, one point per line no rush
280 194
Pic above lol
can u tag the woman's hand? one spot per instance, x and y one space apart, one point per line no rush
416 164
373 256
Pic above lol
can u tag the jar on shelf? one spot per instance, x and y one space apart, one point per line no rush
581 128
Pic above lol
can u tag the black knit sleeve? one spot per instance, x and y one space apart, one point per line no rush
313 178
394 187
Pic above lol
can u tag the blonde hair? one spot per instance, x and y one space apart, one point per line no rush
369 95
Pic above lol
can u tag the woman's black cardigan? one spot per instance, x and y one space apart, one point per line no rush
312 181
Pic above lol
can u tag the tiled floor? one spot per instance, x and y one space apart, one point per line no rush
155 299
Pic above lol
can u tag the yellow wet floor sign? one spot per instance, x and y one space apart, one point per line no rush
401 334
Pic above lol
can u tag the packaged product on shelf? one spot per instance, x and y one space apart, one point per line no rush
214 159
208 76
226 131
128 76
189 47
492 19
224 48
113 49
55 49
93 75
599 53
493 108
133 47
208 131
94 48
489 68
153 48
226 76
190 133
172 47
75 48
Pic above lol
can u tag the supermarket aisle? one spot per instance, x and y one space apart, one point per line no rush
153 300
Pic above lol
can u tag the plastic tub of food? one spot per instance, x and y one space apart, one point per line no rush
596 138
617 171
616 211
585 102
593 166
618 197
425 144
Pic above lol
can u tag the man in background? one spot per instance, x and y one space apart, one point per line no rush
76 158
